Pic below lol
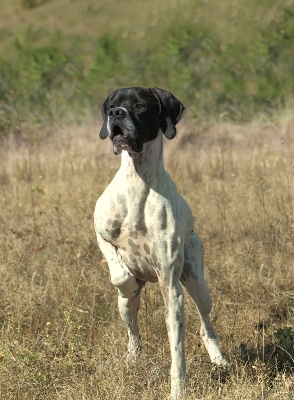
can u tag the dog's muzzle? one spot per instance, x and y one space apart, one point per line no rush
122 131
123 141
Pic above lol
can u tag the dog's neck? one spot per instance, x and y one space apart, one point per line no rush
147 166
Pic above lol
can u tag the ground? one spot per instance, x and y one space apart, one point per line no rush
61 335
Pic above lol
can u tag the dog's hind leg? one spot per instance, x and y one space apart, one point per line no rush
172 292
193 279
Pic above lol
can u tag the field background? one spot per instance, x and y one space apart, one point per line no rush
231 64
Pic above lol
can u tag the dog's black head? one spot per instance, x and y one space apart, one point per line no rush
134 116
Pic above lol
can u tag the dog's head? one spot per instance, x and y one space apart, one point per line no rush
134 116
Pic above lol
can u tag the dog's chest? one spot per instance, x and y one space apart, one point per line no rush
148 225
122 218
126 225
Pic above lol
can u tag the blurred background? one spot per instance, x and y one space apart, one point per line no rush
60 58
231 64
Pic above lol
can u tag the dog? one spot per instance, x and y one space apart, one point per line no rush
144 227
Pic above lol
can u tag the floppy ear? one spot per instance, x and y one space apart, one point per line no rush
104 132
171 111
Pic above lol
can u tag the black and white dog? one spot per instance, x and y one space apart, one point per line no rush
144 226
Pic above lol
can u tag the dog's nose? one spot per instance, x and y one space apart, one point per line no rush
117 112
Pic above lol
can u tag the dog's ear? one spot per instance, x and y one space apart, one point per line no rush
170 111
104 131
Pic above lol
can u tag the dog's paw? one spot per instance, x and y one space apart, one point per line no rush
220 370
224 365
178 389
133 355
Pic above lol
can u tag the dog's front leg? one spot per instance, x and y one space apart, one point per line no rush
175 321
128 308
129 289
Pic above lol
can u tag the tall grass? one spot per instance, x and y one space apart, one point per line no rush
60 333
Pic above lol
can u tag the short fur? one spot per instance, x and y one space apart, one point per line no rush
144 226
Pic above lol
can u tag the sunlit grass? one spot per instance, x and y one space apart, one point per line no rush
61 335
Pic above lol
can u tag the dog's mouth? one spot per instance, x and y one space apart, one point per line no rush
123 141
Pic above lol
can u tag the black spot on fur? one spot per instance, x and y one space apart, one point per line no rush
132 259
115 223
154 259
134 247
146 248
164 218
134 235
116 232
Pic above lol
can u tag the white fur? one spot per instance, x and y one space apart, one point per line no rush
145 230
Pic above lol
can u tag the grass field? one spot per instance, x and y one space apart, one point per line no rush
61 336
60 333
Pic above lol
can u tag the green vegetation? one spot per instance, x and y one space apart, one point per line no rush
50 76
27 4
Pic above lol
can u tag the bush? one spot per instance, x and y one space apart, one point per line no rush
27 4
39 85
237 79
60 80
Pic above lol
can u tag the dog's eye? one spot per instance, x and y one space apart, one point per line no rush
111 106
140 106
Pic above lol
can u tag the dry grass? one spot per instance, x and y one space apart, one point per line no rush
61 335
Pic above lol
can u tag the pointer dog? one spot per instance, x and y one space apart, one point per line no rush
144 226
